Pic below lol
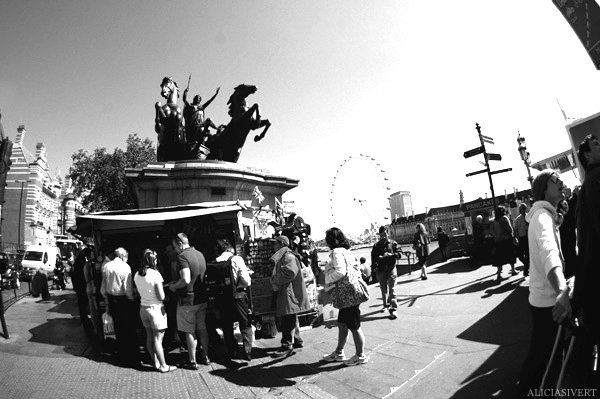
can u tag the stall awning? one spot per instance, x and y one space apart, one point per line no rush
152 216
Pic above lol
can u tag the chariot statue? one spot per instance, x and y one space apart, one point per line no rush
194 140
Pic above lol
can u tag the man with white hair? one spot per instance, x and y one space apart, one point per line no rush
117 290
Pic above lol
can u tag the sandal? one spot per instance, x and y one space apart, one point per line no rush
169 369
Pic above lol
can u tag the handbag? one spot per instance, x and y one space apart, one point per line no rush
350 290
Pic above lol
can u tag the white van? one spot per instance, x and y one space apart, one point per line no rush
39 256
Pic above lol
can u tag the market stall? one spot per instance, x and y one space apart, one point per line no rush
138 229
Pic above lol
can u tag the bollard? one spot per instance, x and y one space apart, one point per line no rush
2 319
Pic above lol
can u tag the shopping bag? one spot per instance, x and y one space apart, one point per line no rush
108 326
350 290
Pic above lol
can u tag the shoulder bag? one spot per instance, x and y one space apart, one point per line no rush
350 290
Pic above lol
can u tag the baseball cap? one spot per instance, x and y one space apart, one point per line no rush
283 240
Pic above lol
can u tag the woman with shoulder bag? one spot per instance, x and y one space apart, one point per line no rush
341 264
421 246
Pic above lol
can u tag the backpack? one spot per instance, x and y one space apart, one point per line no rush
217 282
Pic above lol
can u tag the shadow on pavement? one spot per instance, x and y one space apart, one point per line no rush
455 265
508 326
284 375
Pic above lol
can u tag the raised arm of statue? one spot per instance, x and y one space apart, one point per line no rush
210 100
185 92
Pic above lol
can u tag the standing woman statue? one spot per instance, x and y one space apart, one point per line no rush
169 124
196 127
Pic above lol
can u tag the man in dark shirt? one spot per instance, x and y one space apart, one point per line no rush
587 275
443 240
383 258
79 285
191 315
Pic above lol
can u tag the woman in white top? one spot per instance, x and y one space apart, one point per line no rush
341 259
549 294
148 283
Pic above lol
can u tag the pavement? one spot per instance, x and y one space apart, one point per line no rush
459 334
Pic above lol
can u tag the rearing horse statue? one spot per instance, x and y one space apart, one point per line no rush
227 144
168 124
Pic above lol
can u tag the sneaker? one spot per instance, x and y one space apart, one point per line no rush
335 357
298 345
384 309
356 360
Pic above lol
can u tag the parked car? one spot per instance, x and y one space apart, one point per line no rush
4 262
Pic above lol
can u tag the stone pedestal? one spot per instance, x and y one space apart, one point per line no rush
173 183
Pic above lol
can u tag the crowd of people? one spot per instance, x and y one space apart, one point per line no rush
172 300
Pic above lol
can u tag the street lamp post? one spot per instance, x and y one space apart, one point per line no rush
525 157
20 213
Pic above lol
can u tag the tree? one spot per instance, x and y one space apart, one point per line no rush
99 178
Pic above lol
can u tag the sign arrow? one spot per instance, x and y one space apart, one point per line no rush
487 138
476 173
487 141
494 157
473 152
501 171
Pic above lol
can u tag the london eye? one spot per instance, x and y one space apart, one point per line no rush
359 199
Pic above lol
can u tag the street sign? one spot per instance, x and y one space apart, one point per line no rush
487 140
476 173
473 152
494 157
501 171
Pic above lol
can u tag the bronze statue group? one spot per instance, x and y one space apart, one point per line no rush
186 134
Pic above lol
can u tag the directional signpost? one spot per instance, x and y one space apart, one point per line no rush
487 139
473 152
501 171
488 157
476 173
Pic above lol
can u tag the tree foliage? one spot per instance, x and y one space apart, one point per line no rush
99 178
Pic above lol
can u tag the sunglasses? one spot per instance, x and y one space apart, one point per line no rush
556 180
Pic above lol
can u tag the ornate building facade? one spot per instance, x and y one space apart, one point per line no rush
37 205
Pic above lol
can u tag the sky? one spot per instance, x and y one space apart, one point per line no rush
402 82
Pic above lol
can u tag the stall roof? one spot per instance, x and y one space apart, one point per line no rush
153 216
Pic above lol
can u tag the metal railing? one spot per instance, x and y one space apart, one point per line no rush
12 290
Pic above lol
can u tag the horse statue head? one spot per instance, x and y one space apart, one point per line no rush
169 89
237 101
